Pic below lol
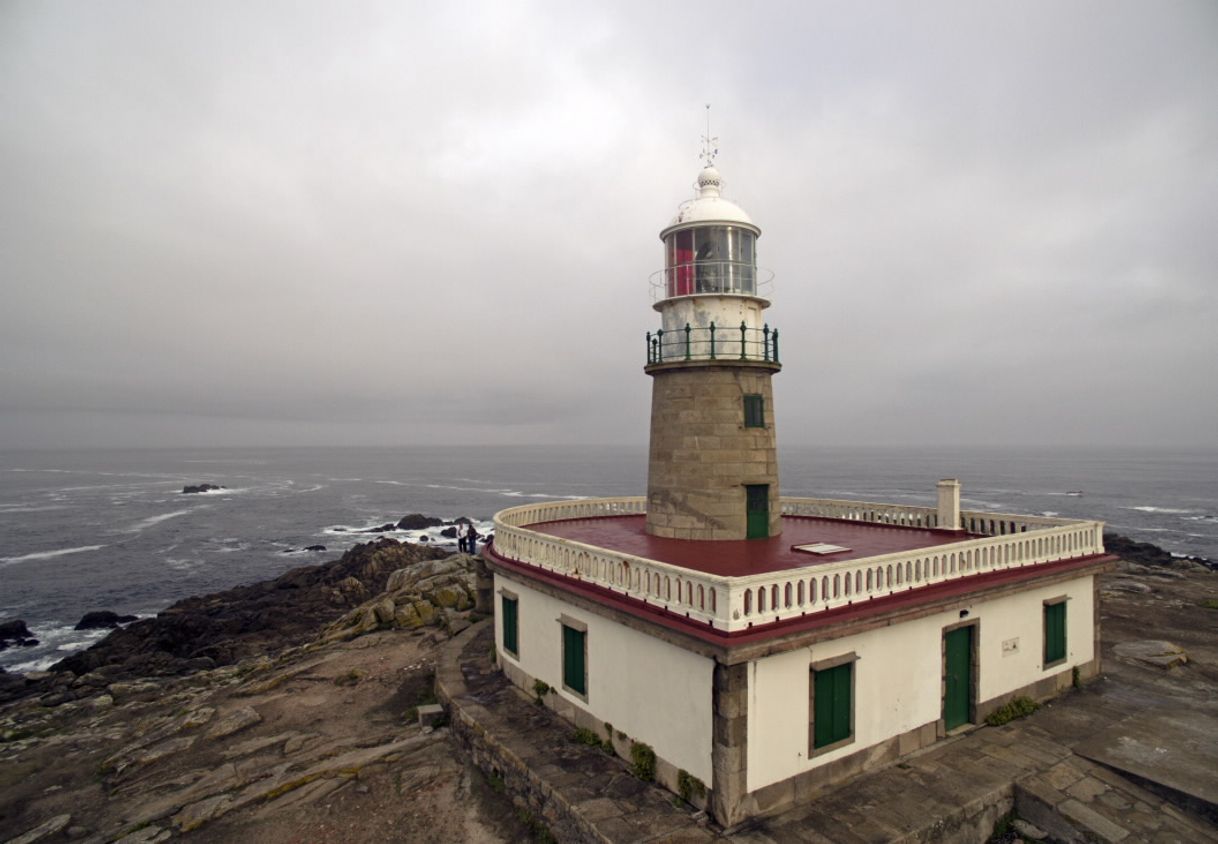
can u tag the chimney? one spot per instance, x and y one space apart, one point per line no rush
949 504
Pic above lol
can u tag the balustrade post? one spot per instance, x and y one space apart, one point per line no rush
649 360
712 349
660 346
765 341
687 331
742 334
775 345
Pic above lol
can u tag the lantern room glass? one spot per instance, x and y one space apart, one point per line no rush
711 259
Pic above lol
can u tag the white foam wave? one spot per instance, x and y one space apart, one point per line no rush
1048 514
1168 511
47 555
156 520
22 508
225 491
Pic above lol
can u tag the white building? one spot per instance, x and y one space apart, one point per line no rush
762 646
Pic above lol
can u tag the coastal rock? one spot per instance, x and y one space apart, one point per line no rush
1144 553
234 722
417 521
43 831
102 619
14 632
314 548
449 533
194 489
247 621
427 593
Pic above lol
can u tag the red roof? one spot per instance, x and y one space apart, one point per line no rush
736 558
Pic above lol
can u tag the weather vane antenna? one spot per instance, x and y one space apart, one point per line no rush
710 145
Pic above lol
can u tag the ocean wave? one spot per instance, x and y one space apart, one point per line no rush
1167 511
156 520
55 641
225 491
183 563
46 555
37 508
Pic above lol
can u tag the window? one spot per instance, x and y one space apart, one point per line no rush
754 411
511 635
575 659
832 704
1055 631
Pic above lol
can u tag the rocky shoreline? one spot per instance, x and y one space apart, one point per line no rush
222 628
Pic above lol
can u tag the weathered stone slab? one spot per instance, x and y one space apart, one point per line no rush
1153 652
43 831
235 721
1175 749
1092 822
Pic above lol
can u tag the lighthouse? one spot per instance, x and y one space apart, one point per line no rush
799 641
712 465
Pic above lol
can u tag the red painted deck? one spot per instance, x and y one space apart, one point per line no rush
735 558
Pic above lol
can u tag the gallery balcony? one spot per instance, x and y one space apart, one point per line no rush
727 344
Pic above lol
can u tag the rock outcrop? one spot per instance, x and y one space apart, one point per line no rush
102 620
435 593
417 521
222 628
1148 554
14 632
194 489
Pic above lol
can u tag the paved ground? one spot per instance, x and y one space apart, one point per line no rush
1160 726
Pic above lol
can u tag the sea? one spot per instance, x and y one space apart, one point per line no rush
84 530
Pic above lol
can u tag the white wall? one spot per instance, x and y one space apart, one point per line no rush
652 691
898 675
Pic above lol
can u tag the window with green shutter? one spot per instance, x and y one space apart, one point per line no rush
511 625
754 411
574 660
832 705
1055 633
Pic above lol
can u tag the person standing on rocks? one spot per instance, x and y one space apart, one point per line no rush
471 540
462 534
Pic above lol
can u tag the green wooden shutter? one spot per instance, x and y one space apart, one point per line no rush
510 628
1055 632
754 411
833 704
574 669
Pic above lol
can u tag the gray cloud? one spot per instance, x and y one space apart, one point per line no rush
399 223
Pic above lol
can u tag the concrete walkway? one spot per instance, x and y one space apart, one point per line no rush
950 792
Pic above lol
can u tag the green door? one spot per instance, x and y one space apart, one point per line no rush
757 507
959 677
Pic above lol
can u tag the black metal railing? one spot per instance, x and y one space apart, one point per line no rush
713 343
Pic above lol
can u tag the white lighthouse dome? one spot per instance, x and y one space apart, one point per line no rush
708 206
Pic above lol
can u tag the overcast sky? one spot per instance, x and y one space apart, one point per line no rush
409 223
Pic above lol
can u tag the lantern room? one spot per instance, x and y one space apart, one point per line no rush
710 247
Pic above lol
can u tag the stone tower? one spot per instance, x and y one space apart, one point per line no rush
713 468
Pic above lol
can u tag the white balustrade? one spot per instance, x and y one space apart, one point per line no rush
737 603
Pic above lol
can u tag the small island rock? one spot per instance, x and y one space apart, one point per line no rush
102 620
417 521
14 632
193 489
